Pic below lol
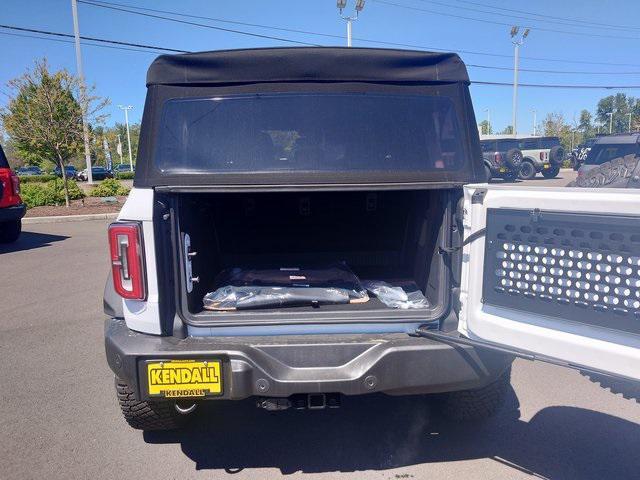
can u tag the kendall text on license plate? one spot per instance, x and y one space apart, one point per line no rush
184 378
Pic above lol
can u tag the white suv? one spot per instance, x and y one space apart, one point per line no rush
541 154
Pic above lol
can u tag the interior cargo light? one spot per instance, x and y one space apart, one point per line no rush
127 260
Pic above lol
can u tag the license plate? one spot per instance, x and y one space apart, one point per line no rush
502 170
184 378
546 165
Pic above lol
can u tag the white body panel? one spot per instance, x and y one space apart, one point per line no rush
575 343
143 316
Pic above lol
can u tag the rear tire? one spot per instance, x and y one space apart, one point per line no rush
556 155
478 404
551 172
527 170
147 415
10 231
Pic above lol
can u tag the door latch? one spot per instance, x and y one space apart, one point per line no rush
188 266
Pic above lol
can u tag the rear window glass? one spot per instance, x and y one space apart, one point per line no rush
529 144
499 145
602 153
309 132
549 143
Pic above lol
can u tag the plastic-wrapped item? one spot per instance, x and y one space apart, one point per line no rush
396 297
244 298
286 286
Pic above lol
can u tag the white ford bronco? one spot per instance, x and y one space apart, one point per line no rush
308 223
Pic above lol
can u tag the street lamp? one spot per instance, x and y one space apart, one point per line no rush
126 121
83 92
342 4
630 115
610 122
488 119
517 41
534 121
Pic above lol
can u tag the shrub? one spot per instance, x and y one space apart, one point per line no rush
36 194
109 188
125 175
37 178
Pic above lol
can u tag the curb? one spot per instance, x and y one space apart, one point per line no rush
68 218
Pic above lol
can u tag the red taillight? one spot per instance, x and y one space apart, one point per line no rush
15 182
498 158
127 260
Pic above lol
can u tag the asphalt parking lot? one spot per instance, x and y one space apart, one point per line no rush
60 418
565 176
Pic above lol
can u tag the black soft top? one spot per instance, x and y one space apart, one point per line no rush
3 160
300 64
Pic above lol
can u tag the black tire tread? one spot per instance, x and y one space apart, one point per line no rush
143 415
551 172
10 231
477 404
529 164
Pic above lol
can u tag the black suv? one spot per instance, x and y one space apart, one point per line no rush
612 161
502 158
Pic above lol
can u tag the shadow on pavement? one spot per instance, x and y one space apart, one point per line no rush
629 389
31 240
378 432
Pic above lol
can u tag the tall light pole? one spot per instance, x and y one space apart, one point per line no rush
535 122
488 120
119 149
610 122
341 4
83 92
517 42
126 121
630 114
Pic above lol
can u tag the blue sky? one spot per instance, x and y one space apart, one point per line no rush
120 75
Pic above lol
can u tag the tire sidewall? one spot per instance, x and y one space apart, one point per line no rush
556 155
527 170
514 159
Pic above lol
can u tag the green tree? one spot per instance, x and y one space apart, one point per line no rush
120 129
44 117
585 124
485 127
508 130
621 106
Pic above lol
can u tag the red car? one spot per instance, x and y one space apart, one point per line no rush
12 209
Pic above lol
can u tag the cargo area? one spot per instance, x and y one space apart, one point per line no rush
391 236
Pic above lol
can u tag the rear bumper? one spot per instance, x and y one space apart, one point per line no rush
15 212
286 365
